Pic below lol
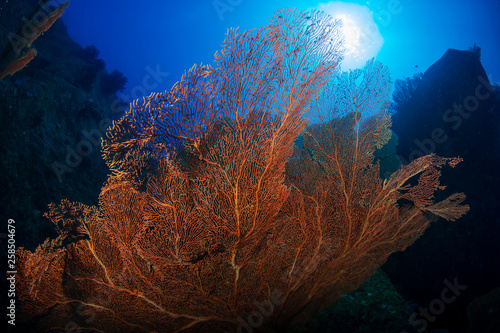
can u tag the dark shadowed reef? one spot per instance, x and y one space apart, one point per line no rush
52 112
454 112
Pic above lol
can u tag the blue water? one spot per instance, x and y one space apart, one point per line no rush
171 36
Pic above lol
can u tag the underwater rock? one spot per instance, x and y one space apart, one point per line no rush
484 313
51 127
375 306
453 112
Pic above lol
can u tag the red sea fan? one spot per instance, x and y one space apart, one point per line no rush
214 219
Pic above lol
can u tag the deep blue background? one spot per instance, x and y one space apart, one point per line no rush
174 35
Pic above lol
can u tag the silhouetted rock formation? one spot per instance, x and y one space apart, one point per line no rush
453 112
50 127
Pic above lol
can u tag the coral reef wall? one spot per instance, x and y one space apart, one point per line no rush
453 112
53 112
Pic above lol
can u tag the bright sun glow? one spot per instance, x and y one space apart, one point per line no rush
362 38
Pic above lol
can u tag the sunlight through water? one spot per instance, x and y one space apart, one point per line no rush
362 37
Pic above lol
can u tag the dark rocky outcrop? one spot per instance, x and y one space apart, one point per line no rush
484 313
52 114
453 112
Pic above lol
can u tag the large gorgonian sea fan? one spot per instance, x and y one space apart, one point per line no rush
275 69
213 219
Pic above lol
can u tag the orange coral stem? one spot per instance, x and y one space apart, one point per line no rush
18 64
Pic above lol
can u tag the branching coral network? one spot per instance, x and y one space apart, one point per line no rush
223 210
